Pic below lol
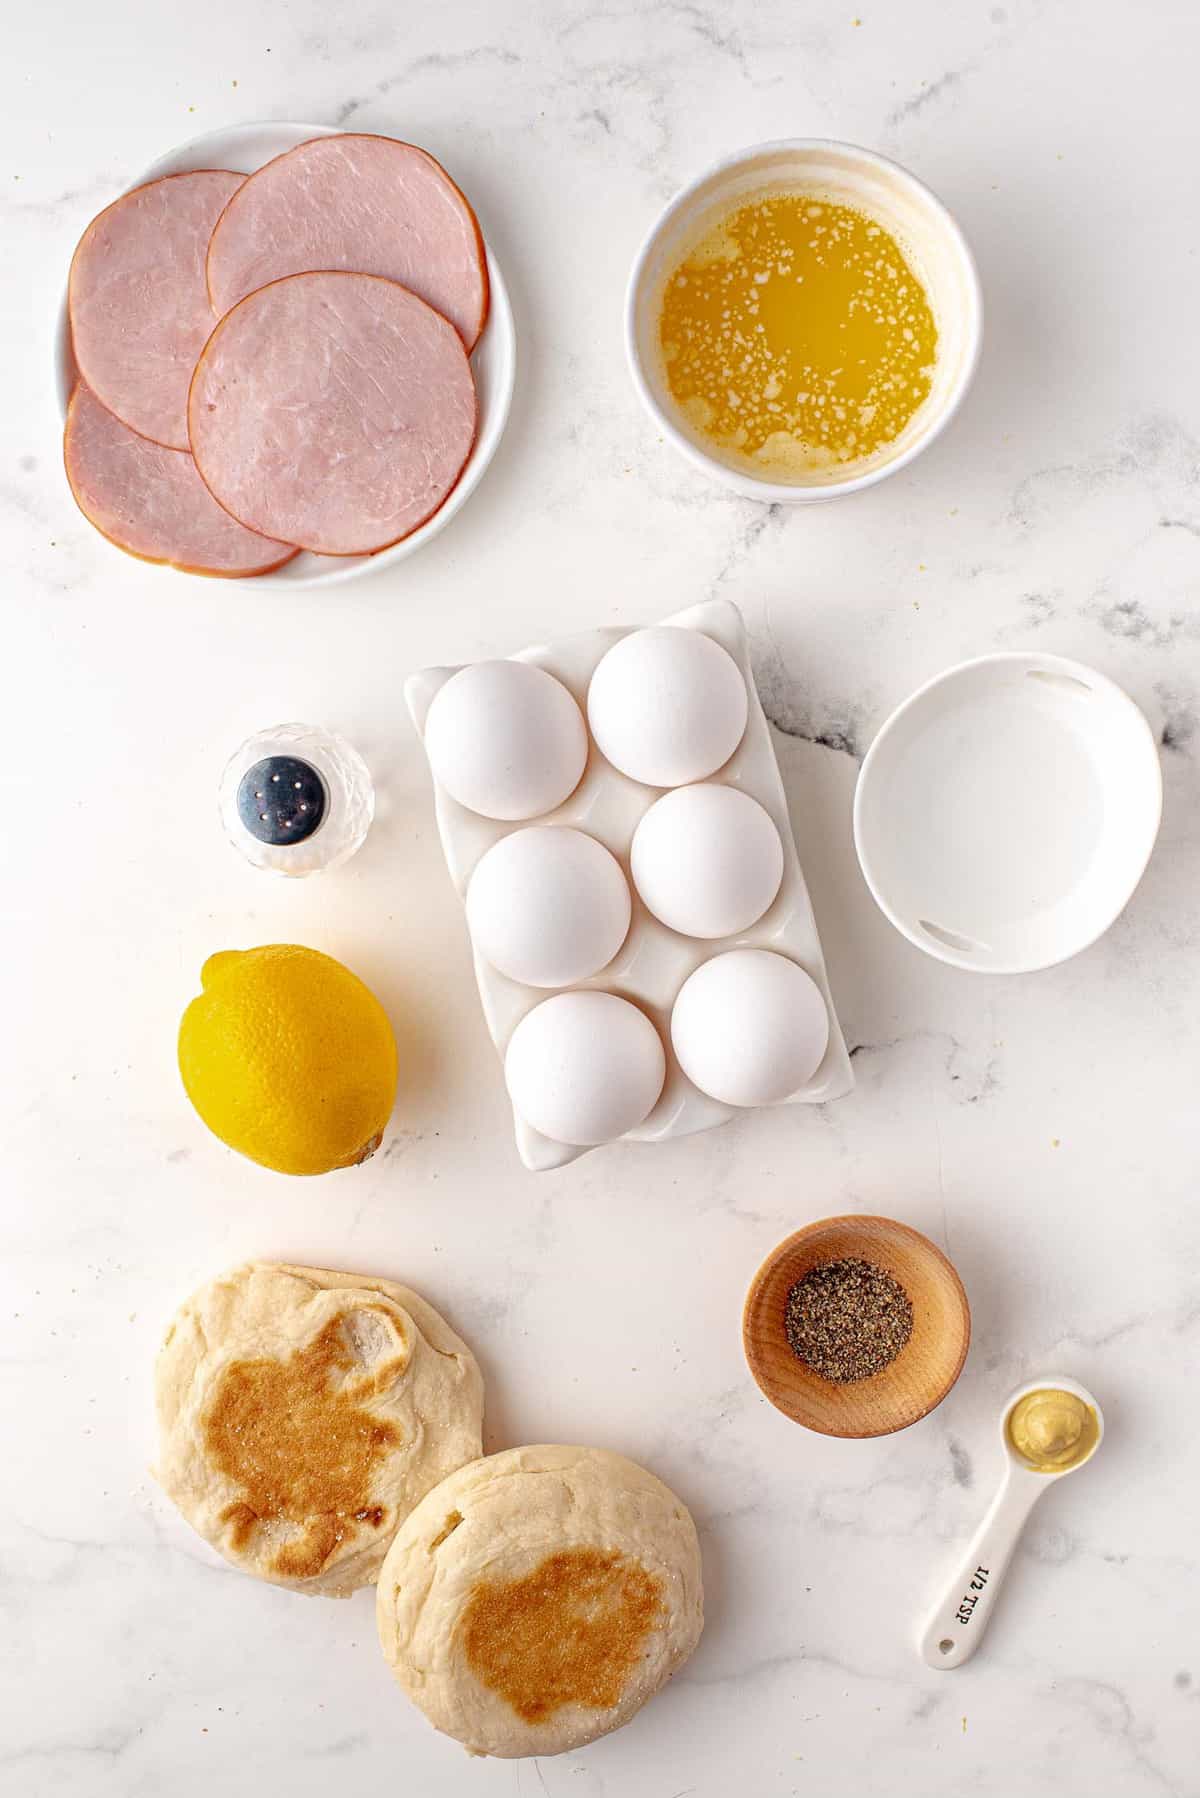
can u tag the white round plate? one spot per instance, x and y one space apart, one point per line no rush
1006 812
245 148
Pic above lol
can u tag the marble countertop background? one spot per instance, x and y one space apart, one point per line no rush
1044 1130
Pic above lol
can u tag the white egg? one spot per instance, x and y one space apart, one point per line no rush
506 739
749 1027
707 860
548 905
583 1068
667 706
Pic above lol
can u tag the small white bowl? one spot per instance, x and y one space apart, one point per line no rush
245 148
851 176
1007 810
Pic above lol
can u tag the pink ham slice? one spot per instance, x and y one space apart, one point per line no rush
138 300
333 410
151 502
370 204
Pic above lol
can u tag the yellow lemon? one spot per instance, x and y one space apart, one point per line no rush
289 1058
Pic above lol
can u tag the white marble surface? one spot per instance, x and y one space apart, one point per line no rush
1044 1129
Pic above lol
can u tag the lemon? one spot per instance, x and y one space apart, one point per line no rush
289 1058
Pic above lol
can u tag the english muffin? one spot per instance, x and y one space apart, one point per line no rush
535 1600
302 1414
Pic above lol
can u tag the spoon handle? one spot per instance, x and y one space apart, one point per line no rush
956 1624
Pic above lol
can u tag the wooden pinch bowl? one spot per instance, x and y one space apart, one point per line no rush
924 1370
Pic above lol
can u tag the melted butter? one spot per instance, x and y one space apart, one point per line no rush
796 337
1052 1430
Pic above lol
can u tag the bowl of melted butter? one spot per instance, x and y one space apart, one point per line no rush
803 320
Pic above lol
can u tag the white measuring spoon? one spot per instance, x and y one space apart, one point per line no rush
962 1614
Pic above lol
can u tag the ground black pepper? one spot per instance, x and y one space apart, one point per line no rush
847 1319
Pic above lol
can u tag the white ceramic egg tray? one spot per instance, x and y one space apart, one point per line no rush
654 961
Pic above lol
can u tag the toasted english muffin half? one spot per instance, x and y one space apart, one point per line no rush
536 1599
303 1413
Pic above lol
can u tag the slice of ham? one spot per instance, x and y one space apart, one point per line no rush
370 204
333 410
151 502
138 299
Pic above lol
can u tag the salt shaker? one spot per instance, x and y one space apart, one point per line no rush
296 799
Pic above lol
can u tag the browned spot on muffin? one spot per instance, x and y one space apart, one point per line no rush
242 1525
295 1436
305 1555
453 1519
570 1632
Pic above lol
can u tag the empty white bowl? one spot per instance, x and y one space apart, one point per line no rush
245 148
1007 810
850 176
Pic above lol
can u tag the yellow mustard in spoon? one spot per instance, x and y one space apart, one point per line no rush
1052 1429
1049 1427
